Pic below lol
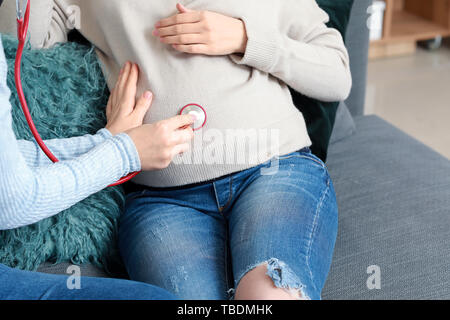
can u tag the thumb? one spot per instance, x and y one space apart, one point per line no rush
183 9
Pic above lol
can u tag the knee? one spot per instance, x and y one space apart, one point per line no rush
270 280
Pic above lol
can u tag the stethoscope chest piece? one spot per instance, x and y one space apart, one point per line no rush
198 111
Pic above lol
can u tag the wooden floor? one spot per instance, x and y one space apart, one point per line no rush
413 93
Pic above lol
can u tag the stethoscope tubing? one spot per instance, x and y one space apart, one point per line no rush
22 29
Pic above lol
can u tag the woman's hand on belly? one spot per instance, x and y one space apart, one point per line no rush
202 32
123 112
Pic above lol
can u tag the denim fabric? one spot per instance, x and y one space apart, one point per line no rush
199 241
25 285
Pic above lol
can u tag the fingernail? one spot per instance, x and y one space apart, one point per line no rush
148 95
155 32
158 24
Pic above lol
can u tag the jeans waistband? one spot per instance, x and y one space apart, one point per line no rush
134 187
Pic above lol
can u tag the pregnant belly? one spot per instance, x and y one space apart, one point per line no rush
211 82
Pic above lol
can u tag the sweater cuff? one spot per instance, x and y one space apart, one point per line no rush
262 50
128 152
104 133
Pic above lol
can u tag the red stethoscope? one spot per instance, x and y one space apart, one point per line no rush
23 18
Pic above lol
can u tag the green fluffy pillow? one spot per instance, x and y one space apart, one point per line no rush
320 116
67 95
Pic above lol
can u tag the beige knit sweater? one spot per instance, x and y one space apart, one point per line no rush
251 116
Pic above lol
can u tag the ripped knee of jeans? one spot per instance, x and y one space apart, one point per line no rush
283 277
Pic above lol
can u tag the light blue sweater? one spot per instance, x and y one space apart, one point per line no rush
32 188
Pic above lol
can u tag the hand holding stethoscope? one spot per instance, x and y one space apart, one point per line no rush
157 143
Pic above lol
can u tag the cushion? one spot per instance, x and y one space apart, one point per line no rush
394 212
320 116
344 125
67 95
357 42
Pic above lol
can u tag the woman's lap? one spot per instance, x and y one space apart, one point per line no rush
26 285
179 239
176 248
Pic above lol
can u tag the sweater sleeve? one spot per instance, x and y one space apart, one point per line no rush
63 149
30 194
298 48
50 21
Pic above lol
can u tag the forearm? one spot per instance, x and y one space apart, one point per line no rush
28 195
319 69
306 55
63 149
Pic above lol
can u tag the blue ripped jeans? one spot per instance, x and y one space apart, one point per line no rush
199 241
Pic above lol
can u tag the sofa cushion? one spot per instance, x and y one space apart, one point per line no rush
344 125
394 201
357 42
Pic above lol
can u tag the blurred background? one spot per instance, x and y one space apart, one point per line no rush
409 69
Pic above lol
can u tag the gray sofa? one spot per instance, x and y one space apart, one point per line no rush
394 200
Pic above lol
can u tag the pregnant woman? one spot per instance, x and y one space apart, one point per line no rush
32 189
240 215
